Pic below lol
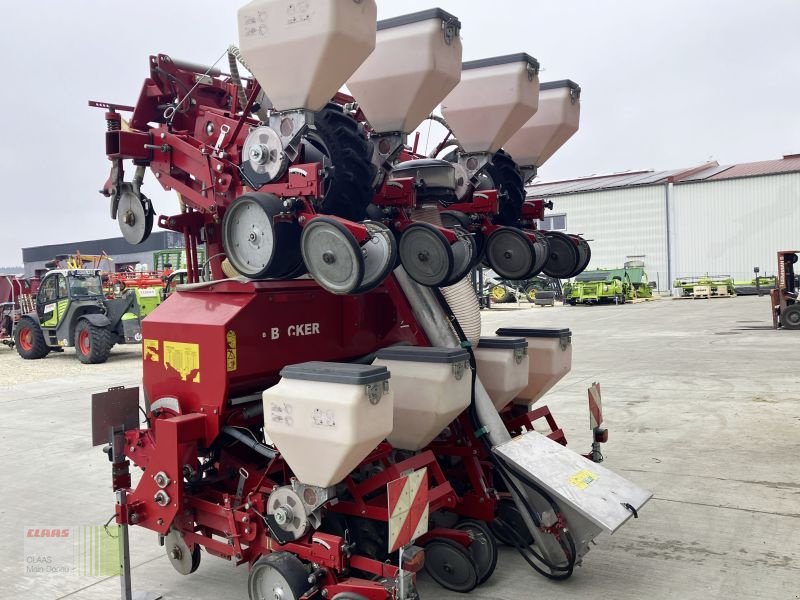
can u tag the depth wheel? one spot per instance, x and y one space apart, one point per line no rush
278 575
184 560
464 251
29 339
564 259
530 292
332 255
380 255
92 343
511 254
134 215
255 245
450 565
426 255
584 255
483 548
790 316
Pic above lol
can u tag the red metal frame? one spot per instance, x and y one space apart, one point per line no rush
242 334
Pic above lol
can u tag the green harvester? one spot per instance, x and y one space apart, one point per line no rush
608 285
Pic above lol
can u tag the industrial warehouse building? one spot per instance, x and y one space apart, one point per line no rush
720 220
123 255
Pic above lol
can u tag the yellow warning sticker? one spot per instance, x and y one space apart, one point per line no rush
184 358
231 350
583 479
150 350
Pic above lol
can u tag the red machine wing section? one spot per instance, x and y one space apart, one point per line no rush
191 345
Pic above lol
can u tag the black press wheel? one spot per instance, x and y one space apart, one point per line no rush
92 343
29 339
483 548
278 575
790 316
338 144
451 565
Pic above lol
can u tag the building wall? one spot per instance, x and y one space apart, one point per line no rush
35 258
33 268
727 227
621 223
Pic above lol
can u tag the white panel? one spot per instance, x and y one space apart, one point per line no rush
621 223
727 227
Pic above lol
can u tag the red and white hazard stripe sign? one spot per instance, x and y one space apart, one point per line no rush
408 508
595 406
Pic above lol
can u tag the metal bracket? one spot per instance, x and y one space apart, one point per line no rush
449 30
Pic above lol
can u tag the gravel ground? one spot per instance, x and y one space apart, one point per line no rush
14 370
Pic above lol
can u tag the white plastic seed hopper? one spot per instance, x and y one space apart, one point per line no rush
496 96
502 364
325 418
303 52
416 63
550 356
554 123
431 387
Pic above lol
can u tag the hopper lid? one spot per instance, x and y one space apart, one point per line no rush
424 354
542 332
503 343
423 15
501 60
331 372
561 83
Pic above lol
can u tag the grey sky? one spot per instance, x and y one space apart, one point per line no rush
666 83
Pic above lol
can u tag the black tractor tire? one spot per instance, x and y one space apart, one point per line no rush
92 343
790 316
508 180
348 184
29 339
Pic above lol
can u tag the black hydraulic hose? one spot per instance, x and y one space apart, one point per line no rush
250 442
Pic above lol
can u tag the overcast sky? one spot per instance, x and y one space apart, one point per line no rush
666 84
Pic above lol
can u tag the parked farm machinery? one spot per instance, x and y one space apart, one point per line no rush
616 286
70 309
286 406
16 294
784 298
705 286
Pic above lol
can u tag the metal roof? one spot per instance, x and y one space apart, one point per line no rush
158 240
710 171
788 164
601 182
